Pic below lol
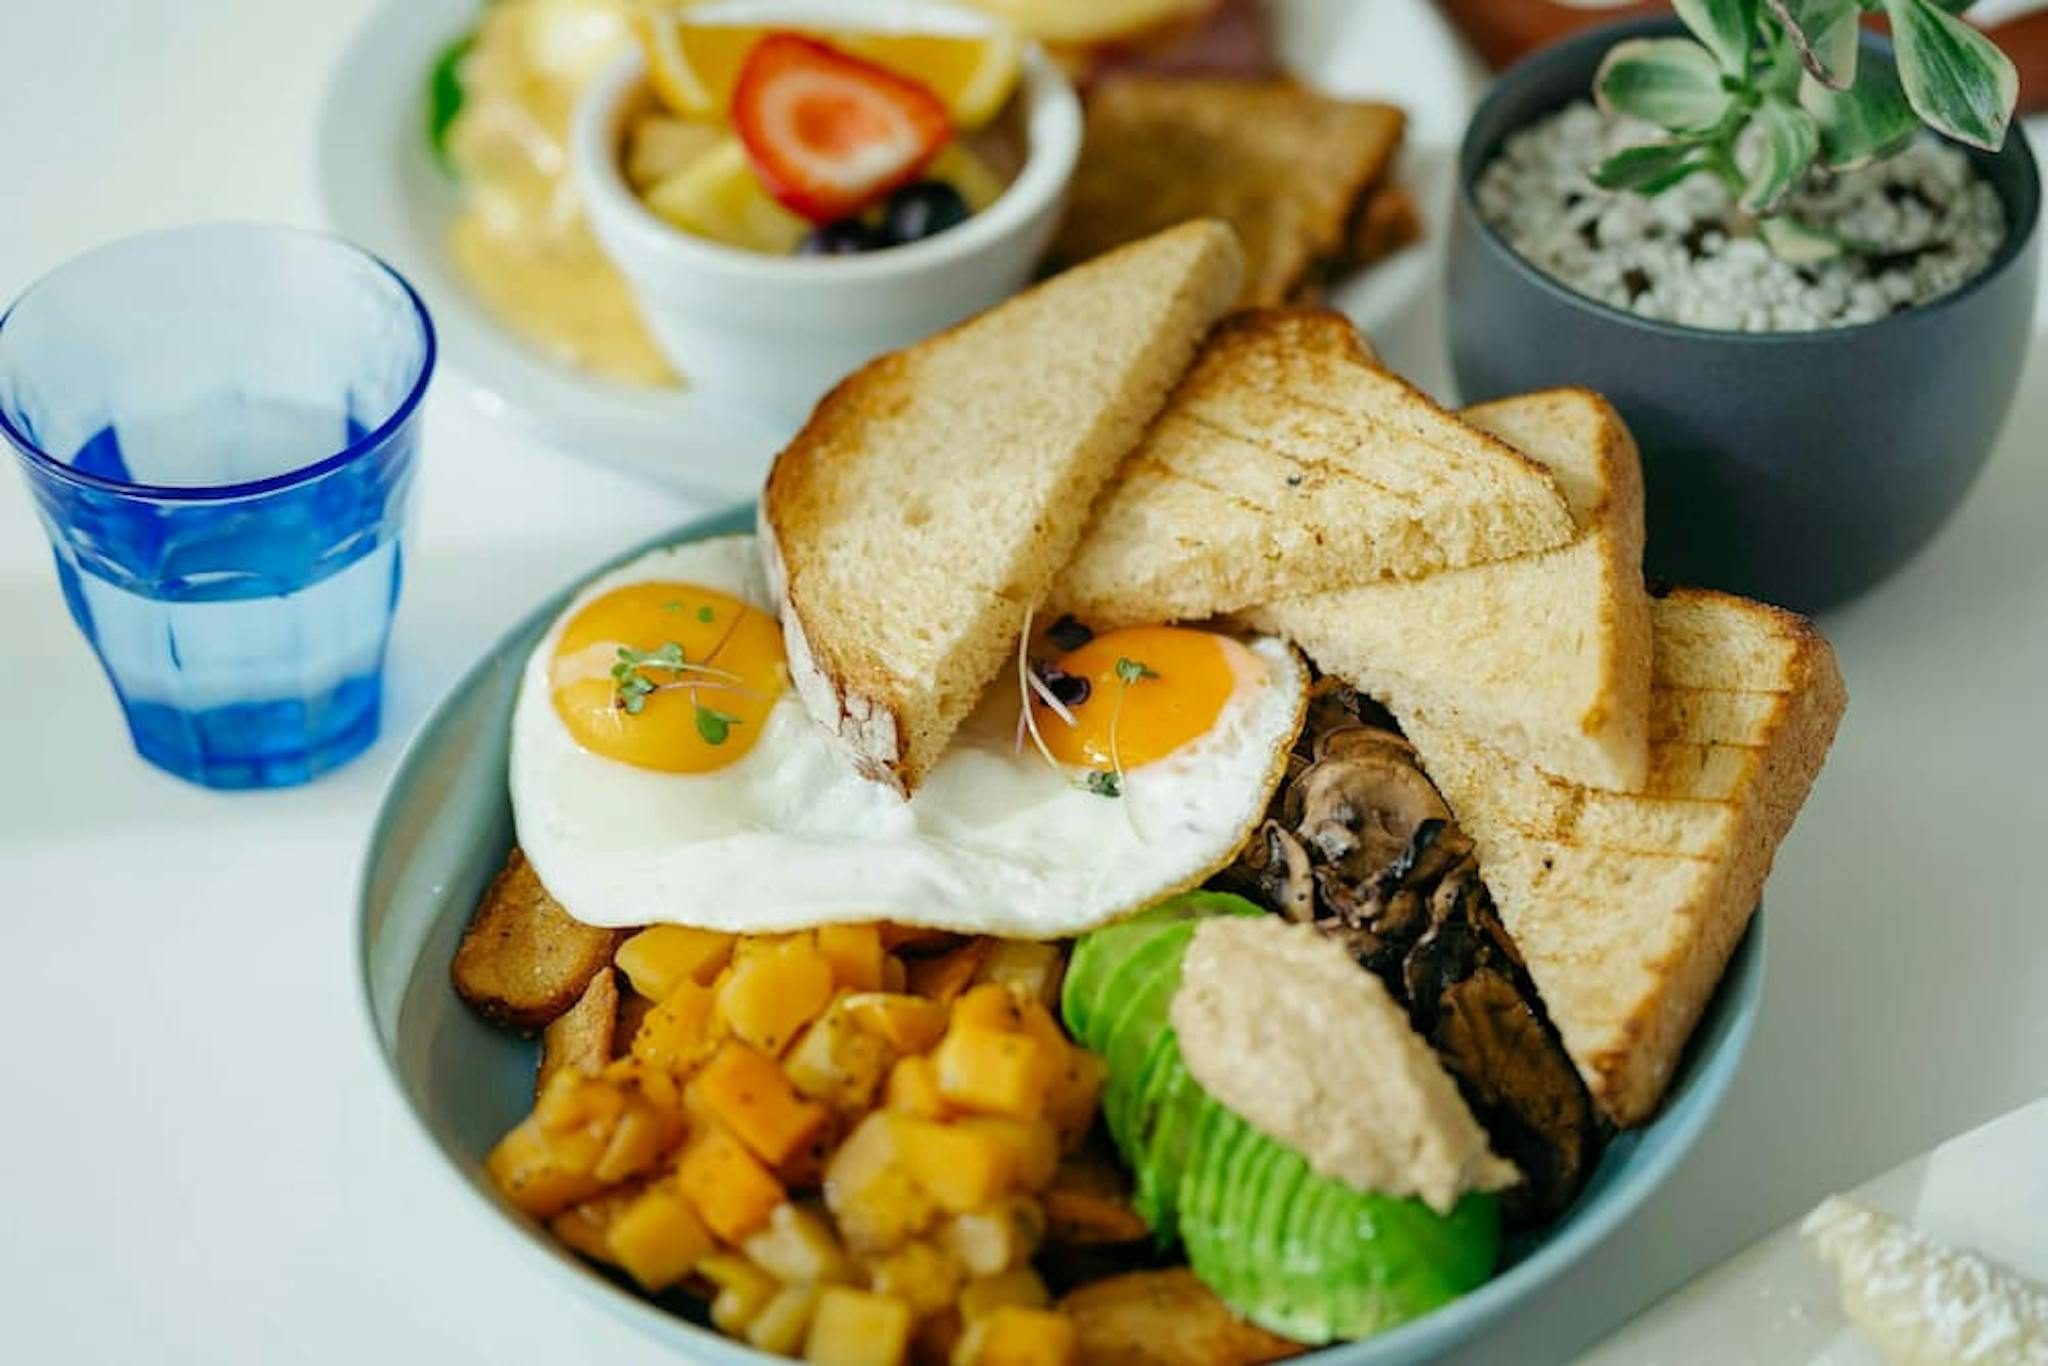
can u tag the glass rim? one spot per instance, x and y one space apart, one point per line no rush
44 462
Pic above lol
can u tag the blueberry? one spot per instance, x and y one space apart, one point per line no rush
916 212
847 237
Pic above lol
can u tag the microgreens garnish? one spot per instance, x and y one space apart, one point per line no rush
714 725
1104 784
632 685
704 614
1129 671
674 605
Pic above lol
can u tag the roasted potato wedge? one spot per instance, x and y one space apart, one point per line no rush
1165 1318
524 960
581 1036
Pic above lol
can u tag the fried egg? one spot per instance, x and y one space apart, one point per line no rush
663 769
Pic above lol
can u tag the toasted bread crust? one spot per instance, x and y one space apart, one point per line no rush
892 669
1627 906
524 960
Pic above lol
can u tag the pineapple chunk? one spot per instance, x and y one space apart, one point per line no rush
750 1096
677 1031
774 993
914 1090
1030 970
742 1291
993 1073
658 1239
856 1328
1016 1336
855 952
910 1024
839 1062
960 1168
731 1190
780 1325
870 1191
798 1245
662 957
1018 1286
922 1274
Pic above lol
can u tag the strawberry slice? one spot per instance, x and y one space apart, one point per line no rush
830 134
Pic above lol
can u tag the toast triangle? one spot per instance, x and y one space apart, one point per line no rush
1627 906
1287 463
923 511
1544 656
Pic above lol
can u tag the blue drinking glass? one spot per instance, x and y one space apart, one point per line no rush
218 425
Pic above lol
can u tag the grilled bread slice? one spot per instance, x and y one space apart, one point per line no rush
924 509
1544 656
1287 463
1626 906
1286 167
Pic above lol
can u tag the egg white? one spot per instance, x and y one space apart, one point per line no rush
788 836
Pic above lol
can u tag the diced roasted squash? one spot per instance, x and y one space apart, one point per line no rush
1035 1020
529 1172
870 1191
727 1184
960 1168
771 995
840 1062
798 1244
1016 1336
638 1139
945 976
988 1006
991 1241
910 1024
586 1225
1032 1142
783 1321
992 1072
741 1291
857 1328
1019 1285
914 1089
661 958
855 953
1075 1093
659 1239
676 1033
1031 971
921 1273
750 1096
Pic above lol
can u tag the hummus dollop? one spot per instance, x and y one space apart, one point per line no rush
1280 1025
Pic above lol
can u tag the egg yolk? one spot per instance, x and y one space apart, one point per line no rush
1151 689
667 676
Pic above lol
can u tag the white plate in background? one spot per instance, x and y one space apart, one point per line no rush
380 185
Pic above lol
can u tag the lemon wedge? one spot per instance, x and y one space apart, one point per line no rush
693 65
719 197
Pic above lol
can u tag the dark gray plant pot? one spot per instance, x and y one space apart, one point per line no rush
1800 468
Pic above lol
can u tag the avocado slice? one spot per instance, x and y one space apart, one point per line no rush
1295 1252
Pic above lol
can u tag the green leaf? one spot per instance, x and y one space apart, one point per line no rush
1727 27
1867 122
444 94
1651 168
1797 243
1955 78
1129 671
714 725
1825 33
1103 784
1672 82
1786 140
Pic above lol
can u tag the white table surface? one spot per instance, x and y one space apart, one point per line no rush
200 1157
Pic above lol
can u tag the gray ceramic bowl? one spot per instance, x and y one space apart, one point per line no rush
444 828
1797 467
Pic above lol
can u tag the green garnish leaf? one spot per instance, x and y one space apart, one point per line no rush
673 605
630 686
714 725
704 614
1129 671
445 95
1103 784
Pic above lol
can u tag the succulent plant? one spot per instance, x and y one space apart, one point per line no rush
1764 90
